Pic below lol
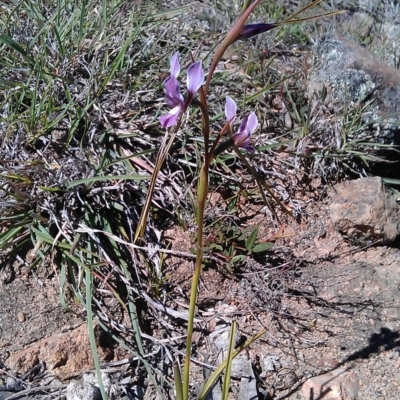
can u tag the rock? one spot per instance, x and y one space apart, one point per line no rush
325 363
336 385
354 79
363 209
78 390
248 386
29 312
220 337
271 363
63 353
360 25
92 379
379 9
241 367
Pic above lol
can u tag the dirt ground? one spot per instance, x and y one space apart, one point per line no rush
326 303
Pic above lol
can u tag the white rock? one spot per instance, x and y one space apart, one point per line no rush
78 390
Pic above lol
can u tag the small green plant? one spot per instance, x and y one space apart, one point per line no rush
232 245
173 121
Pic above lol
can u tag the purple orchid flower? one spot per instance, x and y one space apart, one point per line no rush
251 30
173 97
242 138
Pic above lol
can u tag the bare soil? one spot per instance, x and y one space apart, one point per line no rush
326 303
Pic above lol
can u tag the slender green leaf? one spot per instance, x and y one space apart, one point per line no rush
178 382
249 244
228 368
215 375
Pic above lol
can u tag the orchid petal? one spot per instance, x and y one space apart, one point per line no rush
171 90
230 110
251 30
243 140
249 124
252 122
243 137
174 65
247 146
195 77
171 118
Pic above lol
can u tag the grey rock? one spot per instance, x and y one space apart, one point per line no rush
92 379
78 390
354 78
271 363
216 392
248 387
360 25
379 9
241 367
363 209
220 338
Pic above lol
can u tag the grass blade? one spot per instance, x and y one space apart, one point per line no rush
215 375
228 369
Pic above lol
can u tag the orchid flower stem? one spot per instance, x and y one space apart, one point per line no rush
202 197
218 149
230 38
202 192
238 31
205 125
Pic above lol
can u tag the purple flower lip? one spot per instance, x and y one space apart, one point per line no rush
251 30
242 139
173 96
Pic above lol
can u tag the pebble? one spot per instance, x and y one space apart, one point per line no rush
82 390
21 317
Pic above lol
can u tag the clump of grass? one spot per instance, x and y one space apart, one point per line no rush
72 130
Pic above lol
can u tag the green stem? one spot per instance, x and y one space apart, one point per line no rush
202 197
